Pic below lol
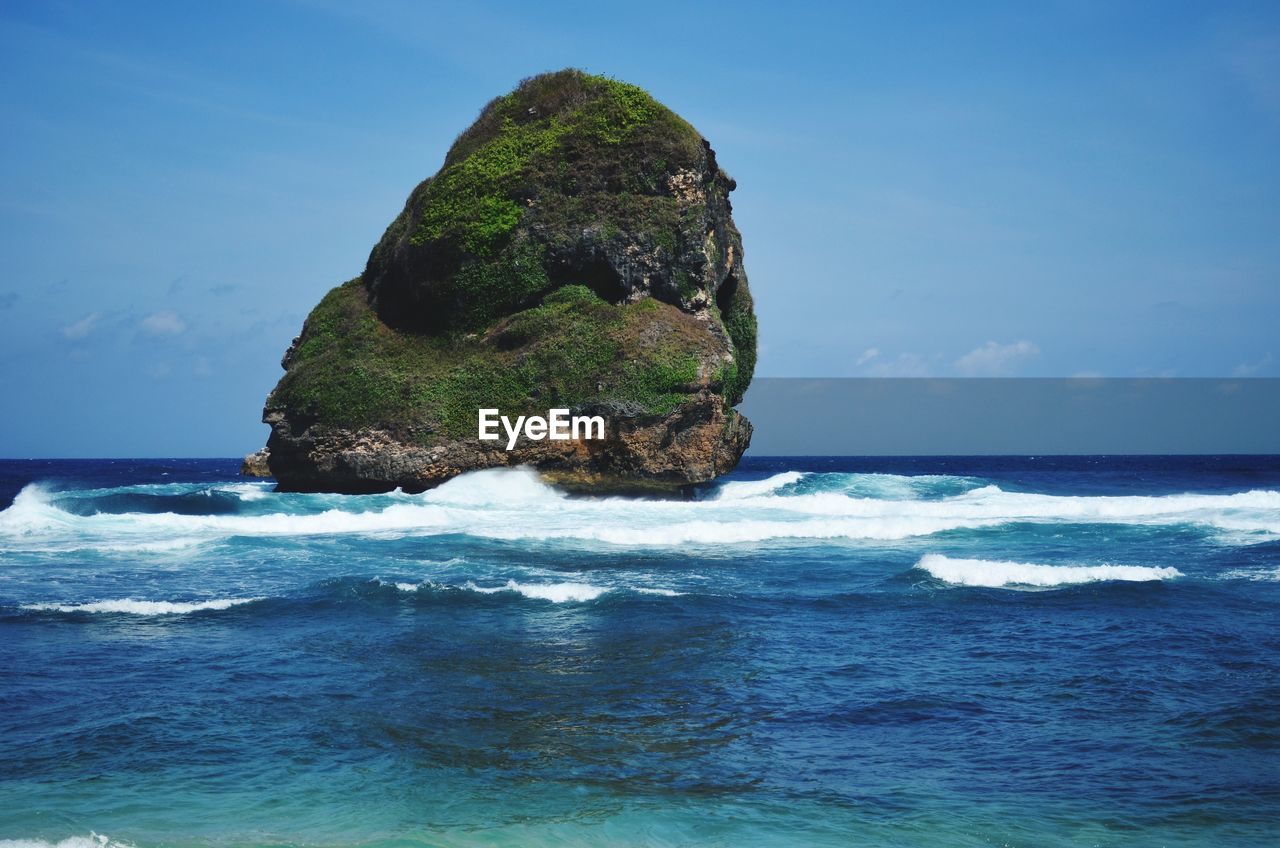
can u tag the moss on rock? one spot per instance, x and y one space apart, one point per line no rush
350 370
504 220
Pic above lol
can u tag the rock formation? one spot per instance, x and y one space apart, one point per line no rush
576 250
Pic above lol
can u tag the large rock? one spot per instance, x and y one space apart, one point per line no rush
575 250
256 464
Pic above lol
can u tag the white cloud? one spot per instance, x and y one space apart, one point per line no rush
994 359
868 355
1252 369
904 365
164 324
82 328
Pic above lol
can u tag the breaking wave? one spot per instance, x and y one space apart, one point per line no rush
739 489
996 574
130 606
514 504
557 593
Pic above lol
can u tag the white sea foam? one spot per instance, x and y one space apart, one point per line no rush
999 573
131 606
515 504
1265 574
93 840
162 546
557 593
503 487
409 588
731 532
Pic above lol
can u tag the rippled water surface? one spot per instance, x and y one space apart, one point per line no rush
946 651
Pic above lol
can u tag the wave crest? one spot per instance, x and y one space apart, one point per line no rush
995 574
131 606
557 593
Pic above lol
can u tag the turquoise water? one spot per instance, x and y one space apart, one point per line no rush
951 651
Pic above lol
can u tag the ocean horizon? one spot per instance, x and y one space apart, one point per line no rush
950 651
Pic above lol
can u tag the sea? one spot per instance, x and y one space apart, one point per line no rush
852 651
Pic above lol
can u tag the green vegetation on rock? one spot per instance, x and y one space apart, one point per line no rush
562 154
471 202
740 323
351 370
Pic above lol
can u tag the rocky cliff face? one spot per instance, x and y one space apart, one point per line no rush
576 250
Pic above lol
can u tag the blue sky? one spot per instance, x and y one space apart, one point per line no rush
1015 189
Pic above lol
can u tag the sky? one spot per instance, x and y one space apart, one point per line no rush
925 189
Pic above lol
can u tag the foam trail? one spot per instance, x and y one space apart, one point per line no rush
130 606
999 573
93 840
737 532
1268 574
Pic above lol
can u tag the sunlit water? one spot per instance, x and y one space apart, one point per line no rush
825 651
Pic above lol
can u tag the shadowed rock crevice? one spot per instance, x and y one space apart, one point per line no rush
594 272
726 292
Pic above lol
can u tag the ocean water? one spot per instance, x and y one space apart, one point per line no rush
898 652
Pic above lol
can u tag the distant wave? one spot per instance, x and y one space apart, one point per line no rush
514 504
556 592
130 606
553 591
996 574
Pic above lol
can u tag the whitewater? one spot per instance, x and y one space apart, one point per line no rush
922 651
514 504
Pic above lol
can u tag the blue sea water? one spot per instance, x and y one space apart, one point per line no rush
853 651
